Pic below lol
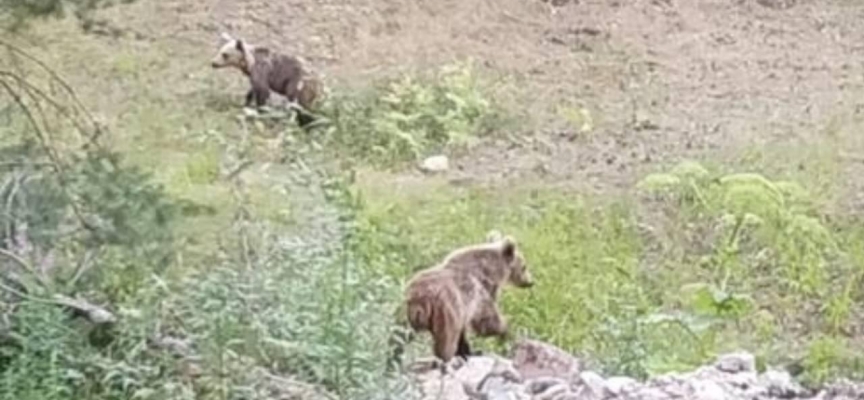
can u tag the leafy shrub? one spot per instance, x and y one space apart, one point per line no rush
766 254
279 304
288 301
754 216
108 209
407 118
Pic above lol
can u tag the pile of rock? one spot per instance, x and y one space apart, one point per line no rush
540 371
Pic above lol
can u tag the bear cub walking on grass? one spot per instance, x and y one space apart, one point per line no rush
268 70
461 294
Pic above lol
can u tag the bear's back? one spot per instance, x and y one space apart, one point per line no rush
482 262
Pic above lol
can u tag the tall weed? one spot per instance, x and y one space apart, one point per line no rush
411 117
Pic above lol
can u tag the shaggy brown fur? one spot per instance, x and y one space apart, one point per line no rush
461 293
271 71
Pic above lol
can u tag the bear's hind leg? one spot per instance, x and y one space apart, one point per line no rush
445 329
250 98
464 349
446 343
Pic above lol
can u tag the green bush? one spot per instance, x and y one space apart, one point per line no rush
411 117
276 305
754 215
97 224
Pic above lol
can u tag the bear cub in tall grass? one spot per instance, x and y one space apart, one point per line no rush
269 70
460 294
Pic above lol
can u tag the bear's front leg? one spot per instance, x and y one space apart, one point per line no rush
260 86
489 321
250 97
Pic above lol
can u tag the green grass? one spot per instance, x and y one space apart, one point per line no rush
644 293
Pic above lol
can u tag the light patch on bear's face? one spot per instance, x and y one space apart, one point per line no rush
228 56
234 53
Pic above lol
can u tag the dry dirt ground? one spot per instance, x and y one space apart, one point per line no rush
662 79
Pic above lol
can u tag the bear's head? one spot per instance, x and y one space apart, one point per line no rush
519 275
233 53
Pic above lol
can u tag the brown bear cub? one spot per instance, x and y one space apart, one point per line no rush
461 293
268 70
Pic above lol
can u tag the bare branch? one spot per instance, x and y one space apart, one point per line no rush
61 82
29 268
93 313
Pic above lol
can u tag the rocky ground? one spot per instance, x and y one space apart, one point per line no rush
542 372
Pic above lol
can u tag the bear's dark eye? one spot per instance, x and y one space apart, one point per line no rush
224 56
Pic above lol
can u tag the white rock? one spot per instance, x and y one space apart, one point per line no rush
617 385
780 384
708 390
594 382
438 163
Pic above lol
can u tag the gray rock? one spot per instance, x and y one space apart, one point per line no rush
535 359
553 375
844 390
540 385
553 393
780 384
734 363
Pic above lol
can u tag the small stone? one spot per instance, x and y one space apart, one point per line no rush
734 363
435 164
250 112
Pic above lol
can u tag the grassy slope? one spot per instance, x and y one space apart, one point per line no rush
589 255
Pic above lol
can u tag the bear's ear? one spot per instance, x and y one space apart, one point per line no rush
240 46
508 248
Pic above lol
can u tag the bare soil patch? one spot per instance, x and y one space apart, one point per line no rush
662 79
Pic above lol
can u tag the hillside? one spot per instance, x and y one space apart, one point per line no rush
682 177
